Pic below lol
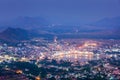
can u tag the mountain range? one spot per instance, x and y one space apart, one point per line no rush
25 23
25 28
14 35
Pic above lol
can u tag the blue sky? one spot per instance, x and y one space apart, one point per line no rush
60 11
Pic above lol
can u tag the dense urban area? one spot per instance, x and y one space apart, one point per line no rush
59 39
61 59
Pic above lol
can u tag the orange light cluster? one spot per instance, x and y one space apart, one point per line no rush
87 44
90 44
37 78
74 55
19 71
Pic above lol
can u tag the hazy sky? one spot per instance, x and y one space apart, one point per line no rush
60 11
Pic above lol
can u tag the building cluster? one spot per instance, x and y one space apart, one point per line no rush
73 59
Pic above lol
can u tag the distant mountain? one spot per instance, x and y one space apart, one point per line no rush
25 23
106 28
14 35
108 23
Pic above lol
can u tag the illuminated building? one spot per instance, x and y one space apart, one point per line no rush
37 78
55 39
19 71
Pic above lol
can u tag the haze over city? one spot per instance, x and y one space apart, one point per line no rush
59 39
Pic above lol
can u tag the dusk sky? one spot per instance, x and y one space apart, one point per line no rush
60 11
